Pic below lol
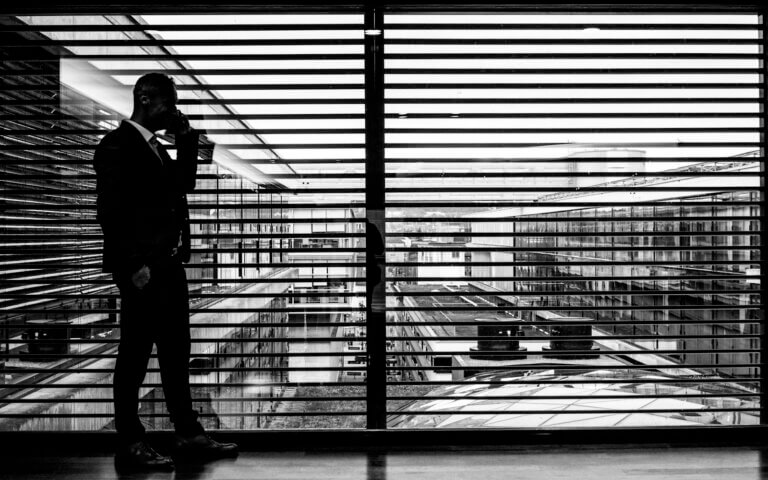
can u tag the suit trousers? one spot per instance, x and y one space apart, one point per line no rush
157 314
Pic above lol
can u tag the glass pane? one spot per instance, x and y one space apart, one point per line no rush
572 222
276 277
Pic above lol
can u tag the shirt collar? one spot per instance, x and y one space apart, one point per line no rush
142 130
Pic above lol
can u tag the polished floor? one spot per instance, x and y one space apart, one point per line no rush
540 463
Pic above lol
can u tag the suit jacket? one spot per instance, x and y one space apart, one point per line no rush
142 202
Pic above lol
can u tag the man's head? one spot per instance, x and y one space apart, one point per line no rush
154 101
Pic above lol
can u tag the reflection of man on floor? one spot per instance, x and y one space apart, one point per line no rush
143 212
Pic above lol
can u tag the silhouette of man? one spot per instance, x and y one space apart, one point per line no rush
143 212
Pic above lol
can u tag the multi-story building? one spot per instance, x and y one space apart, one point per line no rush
651 249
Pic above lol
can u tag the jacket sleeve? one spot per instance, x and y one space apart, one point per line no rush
185 178
113 209
185 165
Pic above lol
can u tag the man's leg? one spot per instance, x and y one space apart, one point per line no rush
134 350
173 350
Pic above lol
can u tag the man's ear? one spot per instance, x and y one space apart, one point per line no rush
144 100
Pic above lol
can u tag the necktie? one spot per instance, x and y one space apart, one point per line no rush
155 147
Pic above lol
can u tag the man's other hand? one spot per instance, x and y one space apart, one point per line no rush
141 278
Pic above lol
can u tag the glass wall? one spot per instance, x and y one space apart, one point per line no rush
573 219
276 278
572 216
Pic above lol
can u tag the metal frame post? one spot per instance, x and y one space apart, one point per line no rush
761 314
375 225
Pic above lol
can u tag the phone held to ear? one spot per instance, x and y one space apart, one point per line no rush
177 123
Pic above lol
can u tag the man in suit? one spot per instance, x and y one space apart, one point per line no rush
143 212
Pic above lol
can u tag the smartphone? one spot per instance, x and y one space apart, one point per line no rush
174 122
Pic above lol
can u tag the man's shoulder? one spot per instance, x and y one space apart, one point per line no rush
116 136
120 141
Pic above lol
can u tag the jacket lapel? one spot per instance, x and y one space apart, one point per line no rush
135 138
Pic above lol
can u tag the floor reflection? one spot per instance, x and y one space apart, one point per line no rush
376 468
763 463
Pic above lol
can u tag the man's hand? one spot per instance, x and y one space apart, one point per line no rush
184 127
179 124
141 278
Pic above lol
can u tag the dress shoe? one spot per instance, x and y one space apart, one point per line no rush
204 446
141 456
